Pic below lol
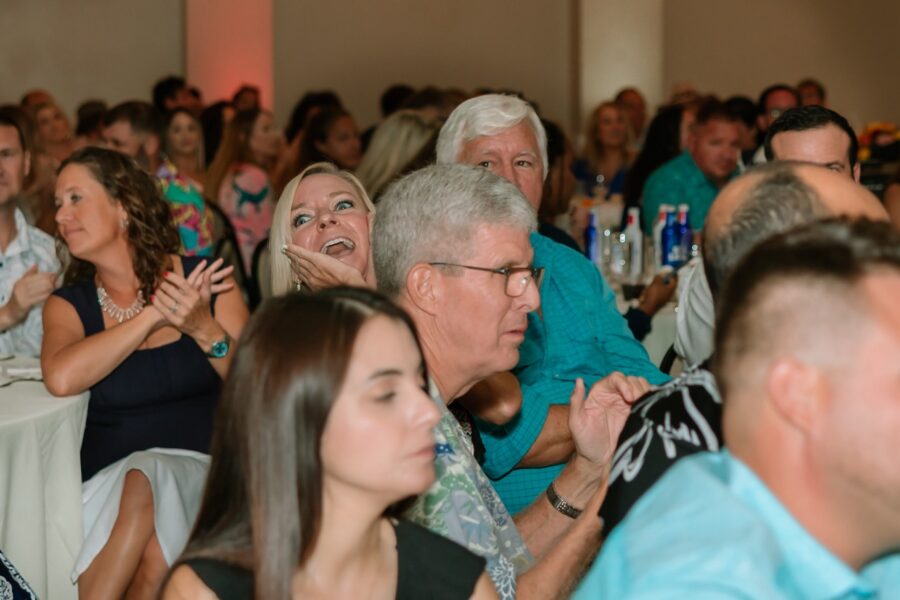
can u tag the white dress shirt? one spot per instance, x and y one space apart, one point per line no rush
31 246
696 316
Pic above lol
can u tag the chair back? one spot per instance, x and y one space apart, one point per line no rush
261 272
225 246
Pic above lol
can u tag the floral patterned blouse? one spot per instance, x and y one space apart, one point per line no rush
193 218
463 506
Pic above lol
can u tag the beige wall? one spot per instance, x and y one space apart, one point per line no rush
359 47
740 48
116 49
228 44
78 49
621 45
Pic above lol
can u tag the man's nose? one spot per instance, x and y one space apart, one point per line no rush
505 171
531 298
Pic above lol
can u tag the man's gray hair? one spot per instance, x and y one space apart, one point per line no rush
432 215
776 201
487 115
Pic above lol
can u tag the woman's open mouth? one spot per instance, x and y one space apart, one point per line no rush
338 247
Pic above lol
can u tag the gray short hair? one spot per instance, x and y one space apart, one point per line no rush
777 200
432 215
487 115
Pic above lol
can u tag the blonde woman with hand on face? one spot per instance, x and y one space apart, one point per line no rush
320 232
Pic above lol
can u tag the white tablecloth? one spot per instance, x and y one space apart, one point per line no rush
662 331
40 482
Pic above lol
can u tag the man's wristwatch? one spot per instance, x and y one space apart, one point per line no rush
220 348
561 504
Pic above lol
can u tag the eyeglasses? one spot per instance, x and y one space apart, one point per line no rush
517 278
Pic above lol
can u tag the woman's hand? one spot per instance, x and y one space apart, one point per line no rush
318 271
216 276
185 303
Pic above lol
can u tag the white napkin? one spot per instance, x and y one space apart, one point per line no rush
23 373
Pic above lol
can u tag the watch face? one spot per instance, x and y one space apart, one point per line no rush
219 349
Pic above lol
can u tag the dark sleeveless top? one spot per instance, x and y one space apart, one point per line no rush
159 397
429 566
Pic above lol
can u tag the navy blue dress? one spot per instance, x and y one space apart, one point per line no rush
159 397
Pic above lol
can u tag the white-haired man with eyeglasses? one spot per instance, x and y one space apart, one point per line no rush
579 332
451 245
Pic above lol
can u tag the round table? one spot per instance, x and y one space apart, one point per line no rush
40 481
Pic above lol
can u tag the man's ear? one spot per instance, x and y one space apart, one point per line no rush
856 172
797 392
424 288
26 163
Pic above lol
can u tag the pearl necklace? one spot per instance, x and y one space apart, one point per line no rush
116 312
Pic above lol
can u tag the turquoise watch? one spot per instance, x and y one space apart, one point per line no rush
220 348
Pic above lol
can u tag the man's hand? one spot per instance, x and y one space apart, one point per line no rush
597 421
32 288
658 293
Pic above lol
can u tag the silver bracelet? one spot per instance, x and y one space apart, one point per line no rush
561 504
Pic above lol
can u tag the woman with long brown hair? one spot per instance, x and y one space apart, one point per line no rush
150 334
238 178
314 443
331 136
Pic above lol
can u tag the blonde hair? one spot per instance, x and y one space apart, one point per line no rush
396 142
280 266
593 147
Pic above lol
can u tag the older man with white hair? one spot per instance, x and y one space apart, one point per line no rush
451 245
579 332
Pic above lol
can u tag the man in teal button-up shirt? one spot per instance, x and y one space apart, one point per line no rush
578 332
696 176
804 504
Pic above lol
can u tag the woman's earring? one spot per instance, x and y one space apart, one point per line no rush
123 224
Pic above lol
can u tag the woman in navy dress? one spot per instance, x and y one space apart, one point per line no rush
150 334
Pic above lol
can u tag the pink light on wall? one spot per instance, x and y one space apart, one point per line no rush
228 44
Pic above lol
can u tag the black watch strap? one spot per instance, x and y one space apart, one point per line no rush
561 504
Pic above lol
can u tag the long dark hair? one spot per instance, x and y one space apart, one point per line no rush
234 149
213 124
152 234
305 106
262 505
317 130
662 144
